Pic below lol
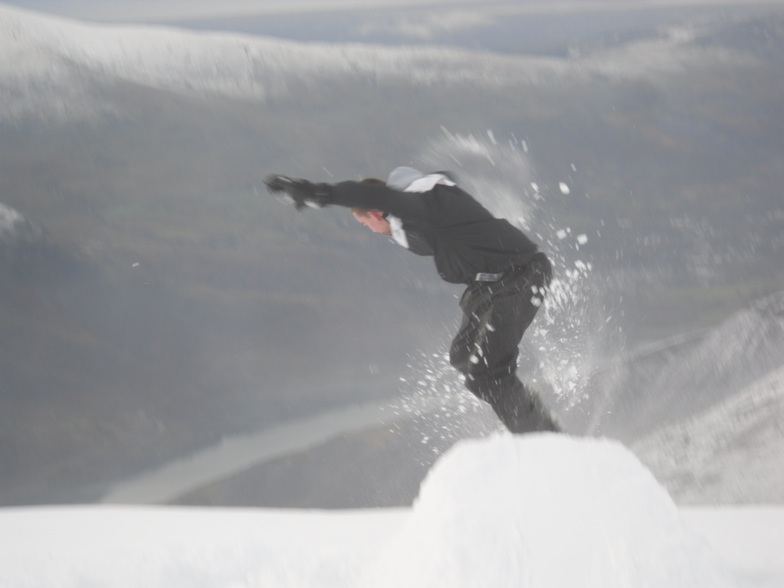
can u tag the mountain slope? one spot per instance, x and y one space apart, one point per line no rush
203 309
678 379
731 453
46 54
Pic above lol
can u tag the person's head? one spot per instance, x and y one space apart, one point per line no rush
375 220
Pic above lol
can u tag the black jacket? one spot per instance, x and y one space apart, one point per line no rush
447 223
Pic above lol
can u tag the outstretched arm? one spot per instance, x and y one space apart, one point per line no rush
367 195
302 193
373 196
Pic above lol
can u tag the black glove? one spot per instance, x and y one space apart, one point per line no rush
301 192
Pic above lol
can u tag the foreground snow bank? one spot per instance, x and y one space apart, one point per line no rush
546 511
538 511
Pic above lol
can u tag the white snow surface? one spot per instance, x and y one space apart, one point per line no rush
527 511
49 66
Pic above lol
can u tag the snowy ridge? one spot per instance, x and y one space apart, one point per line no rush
741 350
44 51
731 453
684 376
674 51
539 511
48 63
753 337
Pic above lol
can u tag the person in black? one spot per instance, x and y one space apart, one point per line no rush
505 273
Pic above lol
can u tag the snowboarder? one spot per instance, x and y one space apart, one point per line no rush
505 273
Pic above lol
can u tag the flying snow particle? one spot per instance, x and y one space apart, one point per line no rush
564 188
582 239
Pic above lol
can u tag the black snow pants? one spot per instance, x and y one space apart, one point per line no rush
485 349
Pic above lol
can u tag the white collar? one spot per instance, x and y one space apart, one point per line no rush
398 232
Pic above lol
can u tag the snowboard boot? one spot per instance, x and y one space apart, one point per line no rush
522 411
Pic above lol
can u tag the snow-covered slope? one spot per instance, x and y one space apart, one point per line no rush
534 511
50 66
46 55
687 375
733 355
733 452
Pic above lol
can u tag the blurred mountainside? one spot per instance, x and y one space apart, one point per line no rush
711 437
684 377
154 298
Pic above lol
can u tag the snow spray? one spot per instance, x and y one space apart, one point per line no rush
573 333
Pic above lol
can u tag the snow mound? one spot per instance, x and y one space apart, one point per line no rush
545 511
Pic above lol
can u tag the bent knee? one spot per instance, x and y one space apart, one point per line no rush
460 359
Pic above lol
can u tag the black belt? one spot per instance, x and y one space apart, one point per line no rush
488 277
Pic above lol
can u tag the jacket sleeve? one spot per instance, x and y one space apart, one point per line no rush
372 196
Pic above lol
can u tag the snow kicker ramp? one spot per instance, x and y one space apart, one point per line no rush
538 511
545 511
